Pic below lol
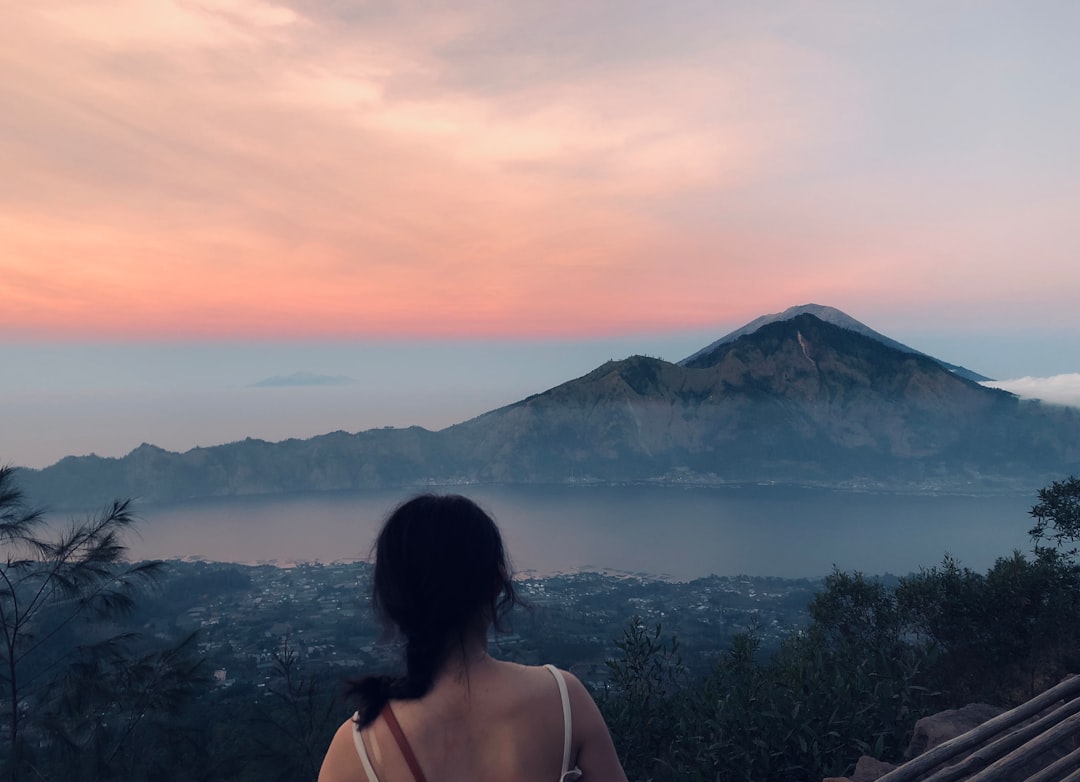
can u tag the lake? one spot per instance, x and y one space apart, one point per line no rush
672 532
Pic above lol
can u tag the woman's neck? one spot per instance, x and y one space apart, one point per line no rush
472 652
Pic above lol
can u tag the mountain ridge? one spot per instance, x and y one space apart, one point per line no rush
795 400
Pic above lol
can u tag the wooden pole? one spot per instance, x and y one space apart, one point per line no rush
916 767
1025 754
1070 762
984 756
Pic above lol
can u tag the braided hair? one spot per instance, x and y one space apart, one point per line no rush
440 568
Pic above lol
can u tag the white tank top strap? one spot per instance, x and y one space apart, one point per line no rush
568 774
361 750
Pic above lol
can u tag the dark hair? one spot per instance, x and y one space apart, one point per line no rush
440 568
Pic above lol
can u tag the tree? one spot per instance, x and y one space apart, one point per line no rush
1057 517
53 586
857 613
293 726
640 703
1004 635
802 714
122 712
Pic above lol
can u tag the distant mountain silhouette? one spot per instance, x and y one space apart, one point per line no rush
795 400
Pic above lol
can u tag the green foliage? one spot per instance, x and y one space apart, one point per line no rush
1001 636
858 615
292 728
1057 516
806 713
118 713
874 659
642 703
52 591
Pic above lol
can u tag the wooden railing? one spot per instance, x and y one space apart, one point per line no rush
1001 746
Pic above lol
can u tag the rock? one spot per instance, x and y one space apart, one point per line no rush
939 728
868 769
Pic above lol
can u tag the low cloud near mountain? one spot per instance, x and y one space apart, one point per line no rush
1058 390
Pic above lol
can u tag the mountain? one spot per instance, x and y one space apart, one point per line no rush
795 399
828 315
329 462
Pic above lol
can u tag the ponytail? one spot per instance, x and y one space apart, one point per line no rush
371 693
423 659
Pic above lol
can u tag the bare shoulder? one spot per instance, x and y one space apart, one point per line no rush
582 705
595 752
341 761
521 669
532 678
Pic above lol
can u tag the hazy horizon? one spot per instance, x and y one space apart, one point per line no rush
74 400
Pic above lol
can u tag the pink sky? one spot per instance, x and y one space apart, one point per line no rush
246 168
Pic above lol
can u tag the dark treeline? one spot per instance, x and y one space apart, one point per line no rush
874 658
110 670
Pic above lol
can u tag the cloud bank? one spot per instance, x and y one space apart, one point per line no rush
1057 390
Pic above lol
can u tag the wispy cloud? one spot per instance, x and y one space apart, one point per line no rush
313 167
1058 390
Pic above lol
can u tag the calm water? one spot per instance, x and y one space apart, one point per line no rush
673 532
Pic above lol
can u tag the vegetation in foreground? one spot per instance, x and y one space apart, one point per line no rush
872 661
85 697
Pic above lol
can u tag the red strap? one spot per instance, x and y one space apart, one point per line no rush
403 744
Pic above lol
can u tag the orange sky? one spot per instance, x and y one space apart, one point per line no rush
240 168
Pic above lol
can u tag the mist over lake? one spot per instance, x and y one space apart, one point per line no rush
672 532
